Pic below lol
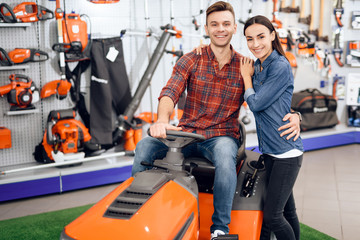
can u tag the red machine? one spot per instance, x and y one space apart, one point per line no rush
63 135
31 12
21 92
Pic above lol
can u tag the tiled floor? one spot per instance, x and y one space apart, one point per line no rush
327 193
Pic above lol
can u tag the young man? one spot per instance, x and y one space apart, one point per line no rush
215 91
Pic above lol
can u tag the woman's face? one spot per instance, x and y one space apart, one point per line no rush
259 41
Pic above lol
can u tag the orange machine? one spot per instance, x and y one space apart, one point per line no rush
58 87
31 12
74 34
24 55
173 200
21 92
5 138
63 134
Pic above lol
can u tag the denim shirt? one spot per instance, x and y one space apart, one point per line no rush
270 101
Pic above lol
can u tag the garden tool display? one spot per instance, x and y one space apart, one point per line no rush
277 23
283 7
353 53
4 58
290 9
31 12
337 50
7 15
305 47
321 37
125 120
64 136
338 11
355 20
21 92
74 37
312 29
5 138
25 55
322 62
59 87
294 8
287 44
302 17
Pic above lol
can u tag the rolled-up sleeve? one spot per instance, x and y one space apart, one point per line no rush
178 80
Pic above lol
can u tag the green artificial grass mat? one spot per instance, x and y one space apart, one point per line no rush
49 225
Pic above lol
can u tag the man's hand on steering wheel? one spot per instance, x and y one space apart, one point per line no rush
158 129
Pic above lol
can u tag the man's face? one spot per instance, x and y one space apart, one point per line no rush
220 27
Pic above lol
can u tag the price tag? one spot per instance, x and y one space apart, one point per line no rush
112 54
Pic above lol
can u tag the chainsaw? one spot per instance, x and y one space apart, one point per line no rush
21 92
30 12
64 136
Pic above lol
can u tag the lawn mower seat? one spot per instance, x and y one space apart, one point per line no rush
204 171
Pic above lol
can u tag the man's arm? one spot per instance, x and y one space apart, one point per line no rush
165 109
292 128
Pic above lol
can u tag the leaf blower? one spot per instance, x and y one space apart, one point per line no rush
21 92
30 12
65 138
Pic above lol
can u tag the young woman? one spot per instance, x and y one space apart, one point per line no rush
269 86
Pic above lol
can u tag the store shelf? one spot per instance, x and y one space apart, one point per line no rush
36 182
12 25
15 67
319 139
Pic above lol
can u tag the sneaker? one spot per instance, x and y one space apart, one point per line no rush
216 233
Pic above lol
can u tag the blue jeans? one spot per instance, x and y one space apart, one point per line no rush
221 151
279 208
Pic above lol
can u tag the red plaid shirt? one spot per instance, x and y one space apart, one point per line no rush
214 96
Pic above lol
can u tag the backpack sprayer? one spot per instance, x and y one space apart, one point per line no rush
72 43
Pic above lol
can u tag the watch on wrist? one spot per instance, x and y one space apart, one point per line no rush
299 114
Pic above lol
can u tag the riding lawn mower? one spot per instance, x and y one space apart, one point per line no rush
174 200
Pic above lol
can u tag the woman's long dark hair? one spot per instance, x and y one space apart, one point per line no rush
259 19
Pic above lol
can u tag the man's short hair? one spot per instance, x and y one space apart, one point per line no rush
218 7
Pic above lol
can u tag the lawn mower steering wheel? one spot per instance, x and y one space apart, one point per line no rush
179 139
